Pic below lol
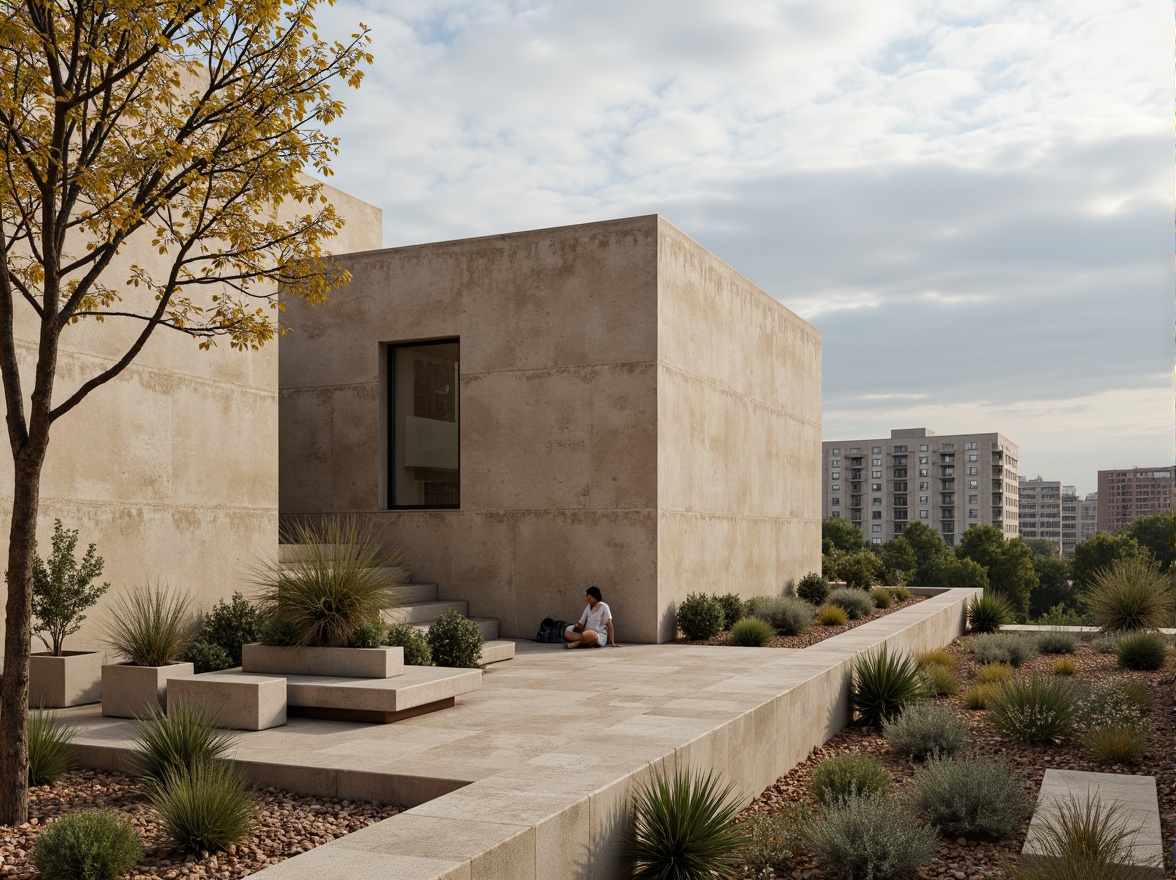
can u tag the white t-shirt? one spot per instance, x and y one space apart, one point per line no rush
596 618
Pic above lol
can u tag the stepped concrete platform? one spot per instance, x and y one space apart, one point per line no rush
417 690
513 783
1136 801
497 650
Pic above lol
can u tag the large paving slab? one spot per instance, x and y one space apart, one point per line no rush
532 775
1135 799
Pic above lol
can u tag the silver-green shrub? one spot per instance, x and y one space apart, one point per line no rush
925 730
1011 648
845 776
752 632
869 838
855 603
969 797
1035 711
788 615
1057 641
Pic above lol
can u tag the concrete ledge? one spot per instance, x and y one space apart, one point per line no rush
1138 806
416 687
240 701
349 662
497 650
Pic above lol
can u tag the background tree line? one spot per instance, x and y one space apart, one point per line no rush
1032 575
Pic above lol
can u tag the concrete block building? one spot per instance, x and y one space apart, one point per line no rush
1040 509
1126 495
949 482
532 413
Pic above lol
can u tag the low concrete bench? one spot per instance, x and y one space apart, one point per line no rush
240 701
1138 809
419 690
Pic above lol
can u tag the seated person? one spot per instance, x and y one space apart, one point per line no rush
595 627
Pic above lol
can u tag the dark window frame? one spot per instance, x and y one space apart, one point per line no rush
390 353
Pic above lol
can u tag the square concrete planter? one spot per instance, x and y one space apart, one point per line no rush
345 662
132 691
74 679
238 700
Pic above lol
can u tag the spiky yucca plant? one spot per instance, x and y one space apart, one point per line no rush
883 684
150 625
682 828
342 578
182 737
1128 595
51 747
988 612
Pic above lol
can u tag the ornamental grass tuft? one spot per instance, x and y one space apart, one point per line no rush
969 797
51 747
832 615
836 779
1034 711
203 808
682 828
925 730
868 838
183 737
994 673
1064 667
1130 594
882 686
150 625
881 597
938 681
1142 651
1087 839
980 695
96 845
938 657
1118 744
752 632
900 593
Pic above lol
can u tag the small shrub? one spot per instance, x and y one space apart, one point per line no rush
1120 744
787 614
277 632
988 612
1142 651
230 625
149 625
1057 641
416 646
51 747
832 615
813 588
867 838
994 673
1064 667
980 695
1106 643
836 779
455 641
368 634
773 839
682 828
900 593
206 657
96 845
752 632
1086 839
860 570
1034 711
1128 595
1011 648
936 658
856 603
938 681
881 597
699 617
203 808
733 609
1113 704
63 589
883 684
180 738
1136 695
969 797
1059 615
925 730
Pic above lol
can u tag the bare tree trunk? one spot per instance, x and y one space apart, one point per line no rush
14 693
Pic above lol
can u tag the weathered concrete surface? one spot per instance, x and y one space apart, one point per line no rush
621 393
512 782
172 468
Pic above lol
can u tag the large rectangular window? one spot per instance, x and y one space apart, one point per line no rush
424 456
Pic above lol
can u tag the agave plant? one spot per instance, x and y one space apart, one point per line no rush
683 828
988 612
883 685
342 578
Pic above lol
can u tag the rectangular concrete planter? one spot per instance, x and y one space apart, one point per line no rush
346 662
239 701
73 679
132 691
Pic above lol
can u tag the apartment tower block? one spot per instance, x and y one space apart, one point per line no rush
1126 495
949 482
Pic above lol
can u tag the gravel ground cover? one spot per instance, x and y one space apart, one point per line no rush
812 635
287 824
962 859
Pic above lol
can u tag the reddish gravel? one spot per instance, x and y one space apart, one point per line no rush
812 635
977 860
288 824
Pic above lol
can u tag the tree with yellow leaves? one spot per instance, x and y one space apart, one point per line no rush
186 123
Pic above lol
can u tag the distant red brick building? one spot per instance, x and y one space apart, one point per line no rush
1126 495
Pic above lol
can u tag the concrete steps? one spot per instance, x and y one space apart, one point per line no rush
426 611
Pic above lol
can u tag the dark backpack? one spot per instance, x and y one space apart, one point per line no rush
551 630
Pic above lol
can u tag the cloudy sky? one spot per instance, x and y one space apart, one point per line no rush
971 199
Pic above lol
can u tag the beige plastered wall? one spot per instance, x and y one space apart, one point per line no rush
558 332
634 414
171 468
739 432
